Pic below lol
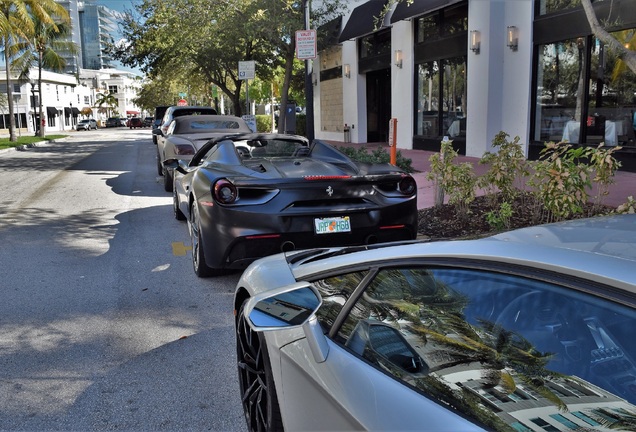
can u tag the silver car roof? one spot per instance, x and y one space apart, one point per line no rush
599 249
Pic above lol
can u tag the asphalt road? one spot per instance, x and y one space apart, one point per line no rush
103 324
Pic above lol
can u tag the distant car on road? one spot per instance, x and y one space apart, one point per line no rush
134 122
528 330
186 134
86 124
148 121
112 122
250 195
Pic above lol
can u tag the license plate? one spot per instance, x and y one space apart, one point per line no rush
332 225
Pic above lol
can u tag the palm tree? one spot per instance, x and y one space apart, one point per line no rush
17 25
42 50
107 99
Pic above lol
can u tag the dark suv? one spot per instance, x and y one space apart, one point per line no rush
112 122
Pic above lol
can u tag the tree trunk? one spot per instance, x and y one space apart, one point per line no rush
282 116
41 108
628 56
7 63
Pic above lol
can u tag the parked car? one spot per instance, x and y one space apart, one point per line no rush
159 112
86 124
134 122
112 122
525 330
148 121
178 111
251 195
186 134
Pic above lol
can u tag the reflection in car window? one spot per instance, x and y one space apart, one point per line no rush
509 352
335 291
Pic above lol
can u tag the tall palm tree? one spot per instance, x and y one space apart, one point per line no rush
16 25
43 50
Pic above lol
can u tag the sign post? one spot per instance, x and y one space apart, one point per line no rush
246 71
306 44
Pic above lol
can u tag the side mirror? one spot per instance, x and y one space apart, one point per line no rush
157 131
177 165
290 307
287 307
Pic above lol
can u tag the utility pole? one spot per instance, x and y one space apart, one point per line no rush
309 87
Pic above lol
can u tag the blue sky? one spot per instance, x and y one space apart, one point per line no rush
118 5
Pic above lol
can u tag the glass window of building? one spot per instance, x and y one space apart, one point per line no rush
583 101
440 57
549 6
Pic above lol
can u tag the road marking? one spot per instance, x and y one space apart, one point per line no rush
179 249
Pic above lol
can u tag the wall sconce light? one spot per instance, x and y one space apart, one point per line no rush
475 41
347 70
398 58
512 38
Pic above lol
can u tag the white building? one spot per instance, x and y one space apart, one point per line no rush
65 101
468 69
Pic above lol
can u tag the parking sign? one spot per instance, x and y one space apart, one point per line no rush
246 69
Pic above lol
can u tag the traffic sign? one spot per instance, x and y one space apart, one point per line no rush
182 102
306 44
246 69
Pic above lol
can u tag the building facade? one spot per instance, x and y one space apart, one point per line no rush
468 69
93 27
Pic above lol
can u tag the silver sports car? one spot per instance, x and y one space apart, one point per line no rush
530 330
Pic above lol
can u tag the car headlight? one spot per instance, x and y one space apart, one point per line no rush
224 191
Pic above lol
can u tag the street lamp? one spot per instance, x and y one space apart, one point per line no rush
70 114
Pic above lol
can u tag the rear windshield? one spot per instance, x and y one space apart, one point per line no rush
193 111
206 125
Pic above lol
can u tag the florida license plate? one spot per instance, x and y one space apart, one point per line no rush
332 225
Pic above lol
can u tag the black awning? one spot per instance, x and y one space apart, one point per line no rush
328 33
404 10
363 20
51 111
76 112
67 112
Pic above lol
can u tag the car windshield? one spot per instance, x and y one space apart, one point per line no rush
275 147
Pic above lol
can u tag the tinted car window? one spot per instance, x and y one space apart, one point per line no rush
335 291
504 350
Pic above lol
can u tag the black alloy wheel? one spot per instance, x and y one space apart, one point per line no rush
256 383
201 269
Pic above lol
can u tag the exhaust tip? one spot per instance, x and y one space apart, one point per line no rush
287 246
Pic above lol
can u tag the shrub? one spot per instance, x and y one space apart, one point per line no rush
379 155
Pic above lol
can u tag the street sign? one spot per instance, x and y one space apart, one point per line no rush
182 102
182 95
306 44
246 70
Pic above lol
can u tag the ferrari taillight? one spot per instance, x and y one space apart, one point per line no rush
407 185
225 192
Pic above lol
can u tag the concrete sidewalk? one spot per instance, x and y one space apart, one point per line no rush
624 186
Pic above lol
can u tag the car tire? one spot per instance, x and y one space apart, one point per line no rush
201 269
256 382
159 165
167 180
178 214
